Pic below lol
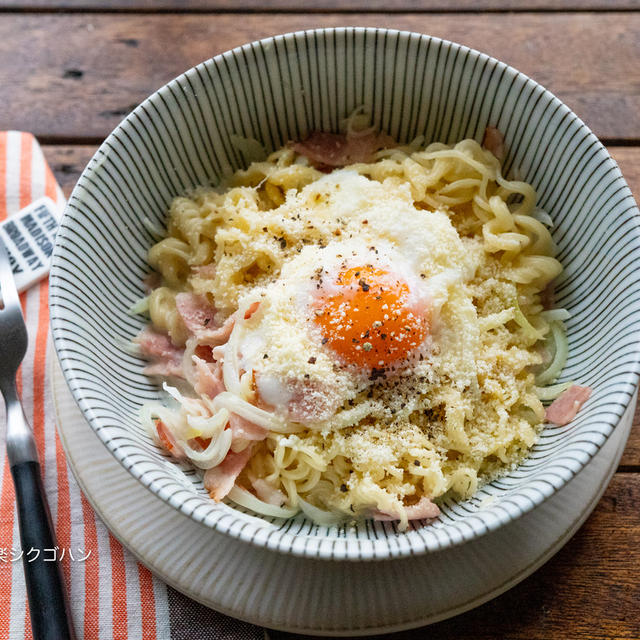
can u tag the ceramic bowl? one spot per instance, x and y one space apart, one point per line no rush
281 89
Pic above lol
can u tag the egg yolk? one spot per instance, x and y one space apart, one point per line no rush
368 319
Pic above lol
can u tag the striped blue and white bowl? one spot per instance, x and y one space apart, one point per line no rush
281 89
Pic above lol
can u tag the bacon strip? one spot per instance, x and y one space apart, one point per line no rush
308 400
566 406
219 480
267 493
157 345
199 318
195 311
164 368
422 510
165 357
169 442
243 429
337 150
494 141
208 378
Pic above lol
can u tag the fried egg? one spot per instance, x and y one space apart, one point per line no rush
344 315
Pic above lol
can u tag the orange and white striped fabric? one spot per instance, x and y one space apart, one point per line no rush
112 597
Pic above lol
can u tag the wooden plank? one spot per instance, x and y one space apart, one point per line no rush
628 159
324 5
88 70
588 591
67 163
631 456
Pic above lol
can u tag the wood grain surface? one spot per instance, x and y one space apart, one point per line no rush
323 5
70 70
58 84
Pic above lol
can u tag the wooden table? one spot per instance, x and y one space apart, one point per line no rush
71 69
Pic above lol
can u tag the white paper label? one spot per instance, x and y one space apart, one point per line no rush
29 236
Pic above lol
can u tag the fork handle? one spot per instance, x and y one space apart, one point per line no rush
48 608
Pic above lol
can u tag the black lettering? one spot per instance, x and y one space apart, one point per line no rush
29 223
50 223
12 230
47 247
18 239
34 262
38 235
15 267
47 220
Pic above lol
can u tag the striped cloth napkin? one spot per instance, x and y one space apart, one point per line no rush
112 597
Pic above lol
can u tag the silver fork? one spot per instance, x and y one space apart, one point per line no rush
48 607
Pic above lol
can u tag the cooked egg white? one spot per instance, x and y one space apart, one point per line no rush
402 264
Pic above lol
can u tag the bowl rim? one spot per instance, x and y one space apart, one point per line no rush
349 549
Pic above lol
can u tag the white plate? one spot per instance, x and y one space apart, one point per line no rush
323 597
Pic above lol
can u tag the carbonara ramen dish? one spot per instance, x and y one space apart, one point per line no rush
355 329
